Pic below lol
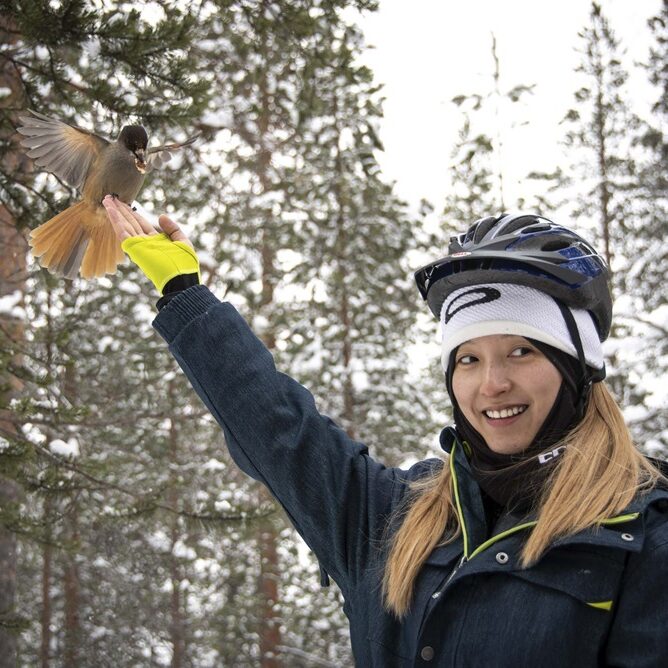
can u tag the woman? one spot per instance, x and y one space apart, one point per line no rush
541 540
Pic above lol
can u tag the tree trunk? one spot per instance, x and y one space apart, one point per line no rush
9 495
12 281
270 634
345 315
45 617
497 116
269 631
604 188
348 387
176 629
72 594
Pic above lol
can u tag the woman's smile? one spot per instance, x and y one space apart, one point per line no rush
504 413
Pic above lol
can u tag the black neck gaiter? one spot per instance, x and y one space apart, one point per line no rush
516 481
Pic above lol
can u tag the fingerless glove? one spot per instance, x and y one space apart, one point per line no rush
162 259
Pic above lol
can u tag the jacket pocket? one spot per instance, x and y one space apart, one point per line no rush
590 575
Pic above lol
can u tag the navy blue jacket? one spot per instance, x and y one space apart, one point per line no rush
596 598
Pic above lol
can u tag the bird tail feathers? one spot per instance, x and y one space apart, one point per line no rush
80 237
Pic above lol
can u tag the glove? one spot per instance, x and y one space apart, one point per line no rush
161 259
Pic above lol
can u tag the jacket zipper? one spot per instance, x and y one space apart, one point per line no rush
444 586
458 565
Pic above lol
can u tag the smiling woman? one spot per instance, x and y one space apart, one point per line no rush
541 540
539 447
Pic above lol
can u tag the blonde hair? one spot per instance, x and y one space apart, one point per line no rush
595 478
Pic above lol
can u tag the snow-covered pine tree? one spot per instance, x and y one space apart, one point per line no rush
471 177
609 206
497 101
348 295
255 81
599 130
84 64
13 276
646 303
352 296
261 57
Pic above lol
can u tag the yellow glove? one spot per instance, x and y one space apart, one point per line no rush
160 258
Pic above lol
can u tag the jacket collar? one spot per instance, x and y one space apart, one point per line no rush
625 530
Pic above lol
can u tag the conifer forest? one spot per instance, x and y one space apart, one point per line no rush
128 537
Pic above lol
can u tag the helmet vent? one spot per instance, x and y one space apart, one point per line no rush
483 227
555 245
541 227
517 223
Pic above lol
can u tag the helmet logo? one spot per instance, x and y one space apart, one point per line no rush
473 297
461 254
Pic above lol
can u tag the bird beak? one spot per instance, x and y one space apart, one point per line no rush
140 160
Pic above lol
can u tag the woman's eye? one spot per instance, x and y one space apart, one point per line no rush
466 359
521 351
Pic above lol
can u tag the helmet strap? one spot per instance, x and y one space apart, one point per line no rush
586 377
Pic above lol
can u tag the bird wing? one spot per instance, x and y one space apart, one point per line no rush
159 155
65 150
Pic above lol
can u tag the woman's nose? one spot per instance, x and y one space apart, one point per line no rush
495 380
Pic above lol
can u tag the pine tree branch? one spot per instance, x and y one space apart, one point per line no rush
142 498
645 321
311 658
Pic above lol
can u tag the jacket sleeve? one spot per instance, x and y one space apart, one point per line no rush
336 496
639 633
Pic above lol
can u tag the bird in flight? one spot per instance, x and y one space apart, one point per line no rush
80 239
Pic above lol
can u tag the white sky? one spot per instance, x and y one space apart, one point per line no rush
428 51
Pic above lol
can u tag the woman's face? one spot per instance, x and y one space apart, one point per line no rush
505 387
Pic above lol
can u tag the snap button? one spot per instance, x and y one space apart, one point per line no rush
502 557
427 653
627 536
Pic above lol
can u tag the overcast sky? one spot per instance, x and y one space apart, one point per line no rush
428 51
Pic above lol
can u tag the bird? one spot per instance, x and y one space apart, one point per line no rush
80 239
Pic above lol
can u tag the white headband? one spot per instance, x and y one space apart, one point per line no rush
506 308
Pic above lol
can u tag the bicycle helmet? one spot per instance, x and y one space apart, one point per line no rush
525 249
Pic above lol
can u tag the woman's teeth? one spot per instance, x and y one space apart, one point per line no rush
505 412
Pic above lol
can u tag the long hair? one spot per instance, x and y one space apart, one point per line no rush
595 478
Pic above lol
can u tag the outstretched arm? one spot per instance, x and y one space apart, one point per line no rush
337 497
